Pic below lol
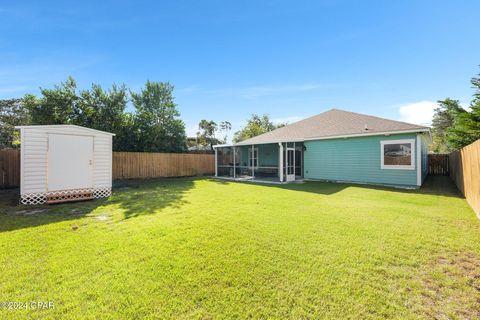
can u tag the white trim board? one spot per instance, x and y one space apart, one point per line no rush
419 160
60 126
354 135
250 158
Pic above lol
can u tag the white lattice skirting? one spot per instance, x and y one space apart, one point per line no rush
41 197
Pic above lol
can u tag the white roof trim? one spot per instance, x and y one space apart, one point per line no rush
386 133
353 135
241 144
55 126
269 142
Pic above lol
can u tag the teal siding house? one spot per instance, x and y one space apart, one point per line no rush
335 145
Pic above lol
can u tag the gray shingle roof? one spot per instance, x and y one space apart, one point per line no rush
332 123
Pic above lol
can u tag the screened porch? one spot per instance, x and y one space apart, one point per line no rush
273 162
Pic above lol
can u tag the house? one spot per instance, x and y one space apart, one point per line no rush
335 145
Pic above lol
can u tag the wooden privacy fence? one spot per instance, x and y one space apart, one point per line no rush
126 165
438 164
9 168
129 165
465 172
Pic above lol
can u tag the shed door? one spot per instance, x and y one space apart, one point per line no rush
70 162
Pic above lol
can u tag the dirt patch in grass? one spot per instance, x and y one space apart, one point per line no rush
29 212
451 288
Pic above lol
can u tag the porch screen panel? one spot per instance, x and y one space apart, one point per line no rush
267 162
225 162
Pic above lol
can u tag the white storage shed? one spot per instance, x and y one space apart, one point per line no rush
64 163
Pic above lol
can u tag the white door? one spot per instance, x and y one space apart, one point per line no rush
290 164
70 162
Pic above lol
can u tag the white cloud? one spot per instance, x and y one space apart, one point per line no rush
288 120
418 112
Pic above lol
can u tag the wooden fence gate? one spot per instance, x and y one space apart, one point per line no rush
9 168
438 164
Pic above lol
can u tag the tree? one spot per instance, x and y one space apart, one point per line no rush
155 126
225 127
256 125
95 108
12 114
105 110
206 133
57 105
466 125
443 119
157 122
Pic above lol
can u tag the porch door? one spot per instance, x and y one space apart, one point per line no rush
290 164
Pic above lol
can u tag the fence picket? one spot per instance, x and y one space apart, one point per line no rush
466 173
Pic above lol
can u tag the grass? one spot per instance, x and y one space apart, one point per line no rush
191 248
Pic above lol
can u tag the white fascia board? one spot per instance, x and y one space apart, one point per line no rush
384 133
353 135
270 142
222 145
57 126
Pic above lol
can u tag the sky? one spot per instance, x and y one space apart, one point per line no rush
229 59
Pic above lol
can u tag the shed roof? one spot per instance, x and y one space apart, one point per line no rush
59 126
334 123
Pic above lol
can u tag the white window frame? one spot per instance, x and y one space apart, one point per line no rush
398 167
250 150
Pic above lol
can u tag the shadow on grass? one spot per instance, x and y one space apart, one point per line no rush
440 185
433 185
143 197
320 187
135 198
140 197
14 216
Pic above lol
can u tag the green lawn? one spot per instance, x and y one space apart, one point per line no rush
202 248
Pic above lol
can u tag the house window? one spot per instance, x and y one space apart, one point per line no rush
398 154
253 152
